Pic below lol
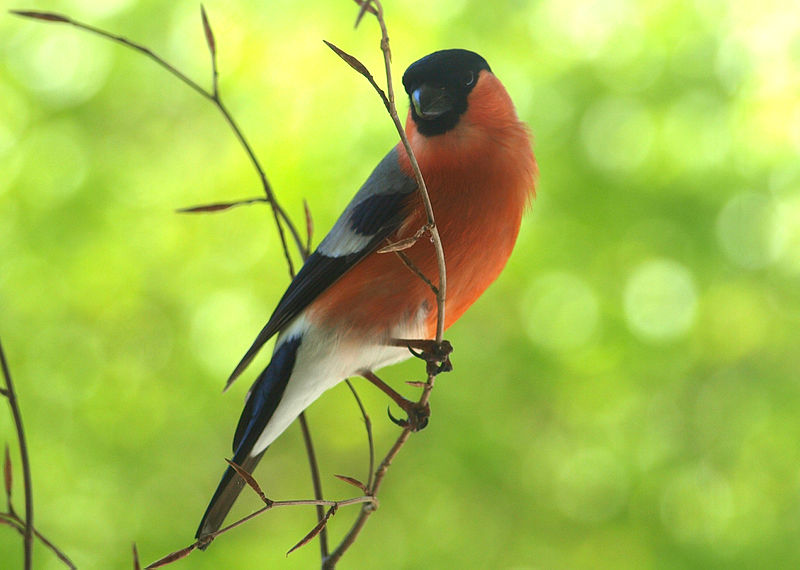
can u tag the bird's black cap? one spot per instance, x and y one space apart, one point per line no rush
438 86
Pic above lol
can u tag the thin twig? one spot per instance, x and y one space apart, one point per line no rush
317 483
318 529
441 290
324 503
172 557
136 564
278 212
374 7
405 243
316 480
212 49
12 520
368 508
309 229
219 206
388 99
294 503
11 395
416 270
368 427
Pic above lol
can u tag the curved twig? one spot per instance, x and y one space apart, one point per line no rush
279 214
316 481
388 98
374 7
11 396
214 96
368 427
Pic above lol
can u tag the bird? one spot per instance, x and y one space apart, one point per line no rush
351 305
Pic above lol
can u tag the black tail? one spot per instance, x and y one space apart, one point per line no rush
223 499
262 401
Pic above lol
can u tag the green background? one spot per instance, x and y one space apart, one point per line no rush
626 396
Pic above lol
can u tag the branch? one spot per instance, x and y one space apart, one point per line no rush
18 524
316 481
214 96
333 506
389 103
368 427
368 508
388 98
279 214
11 395
374 7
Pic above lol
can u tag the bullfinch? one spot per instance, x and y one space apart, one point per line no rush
350 305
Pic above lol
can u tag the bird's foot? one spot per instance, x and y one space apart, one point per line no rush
417 413
435 354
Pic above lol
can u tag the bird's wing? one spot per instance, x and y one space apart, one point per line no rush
261 403
375 212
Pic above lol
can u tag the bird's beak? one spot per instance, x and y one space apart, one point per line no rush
430 102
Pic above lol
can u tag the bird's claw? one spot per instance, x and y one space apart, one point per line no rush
418 415
435 354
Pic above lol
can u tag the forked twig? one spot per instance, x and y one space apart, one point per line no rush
376 477
11 396
366 499
213 95
279 213
389 103
12 520
374 7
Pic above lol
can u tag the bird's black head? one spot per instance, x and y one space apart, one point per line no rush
438 86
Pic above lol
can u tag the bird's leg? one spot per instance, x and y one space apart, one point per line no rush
417 413
436 354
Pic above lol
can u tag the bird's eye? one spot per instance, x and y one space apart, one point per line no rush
468 79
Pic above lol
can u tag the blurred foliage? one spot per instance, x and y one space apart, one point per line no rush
626 396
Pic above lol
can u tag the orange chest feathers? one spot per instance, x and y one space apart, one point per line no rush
480 184
480 178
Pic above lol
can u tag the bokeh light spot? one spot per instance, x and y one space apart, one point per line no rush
617 134
749 231
64 68
562 311
660 300
584 27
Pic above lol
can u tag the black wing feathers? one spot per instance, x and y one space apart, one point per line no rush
265 396
261 404
376 211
